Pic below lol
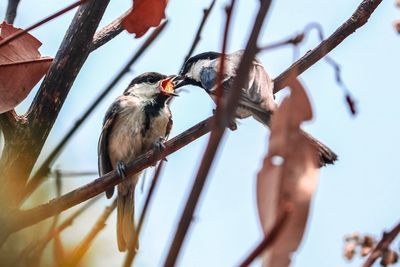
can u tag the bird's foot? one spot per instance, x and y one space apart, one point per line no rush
232 125
159 146
121 169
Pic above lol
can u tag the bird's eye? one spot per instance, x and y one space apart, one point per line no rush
151 80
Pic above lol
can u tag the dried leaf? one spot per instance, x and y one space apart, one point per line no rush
144 14
288 176
21 67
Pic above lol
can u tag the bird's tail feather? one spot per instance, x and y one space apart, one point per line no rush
125 217
326 155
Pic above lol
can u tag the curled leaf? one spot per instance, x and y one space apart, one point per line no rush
144 15
21 67
288 176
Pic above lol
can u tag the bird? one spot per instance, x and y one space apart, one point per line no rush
257 98
137 121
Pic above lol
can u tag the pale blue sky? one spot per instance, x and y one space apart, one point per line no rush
359 193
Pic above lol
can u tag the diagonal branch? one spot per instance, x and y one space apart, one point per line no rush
197 38
382 246
43 170
19 219
357 20
216 135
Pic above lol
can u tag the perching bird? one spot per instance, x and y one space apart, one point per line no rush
257 98
136 122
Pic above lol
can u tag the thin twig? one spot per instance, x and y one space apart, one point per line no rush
268 239
43 170
382 246
216 136
11 12
18 34
83 247
134 241
197 38
358 19
108 32
35 249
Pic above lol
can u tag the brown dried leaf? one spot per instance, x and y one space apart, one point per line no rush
288 176
144 15
21 67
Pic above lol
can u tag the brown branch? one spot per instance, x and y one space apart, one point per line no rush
268 240
108 32
134 241
44 169
382 246
216 135
358 19
11 12
197 38
37 24
9 122
83 247
19 219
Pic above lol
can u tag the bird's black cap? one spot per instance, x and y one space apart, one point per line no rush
206 55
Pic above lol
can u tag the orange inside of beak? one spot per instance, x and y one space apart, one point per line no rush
167 86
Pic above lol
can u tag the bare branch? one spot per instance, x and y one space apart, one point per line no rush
108 32
197 38
358 19
9 122
19 219
216 135
268 240
43 170
11 12
382 246
83 247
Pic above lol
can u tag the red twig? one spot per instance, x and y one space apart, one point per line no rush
268 240
382 246
215 138
16 35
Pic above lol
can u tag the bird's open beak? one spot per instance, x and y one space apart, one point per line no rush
167 86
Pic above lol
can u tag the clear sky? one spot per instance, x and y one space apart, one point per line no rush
359 193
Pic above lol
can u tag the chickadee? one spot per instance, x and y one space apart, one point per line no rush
135 122
257 98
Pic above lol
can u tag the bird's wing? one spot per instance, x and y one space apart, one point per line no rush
104 163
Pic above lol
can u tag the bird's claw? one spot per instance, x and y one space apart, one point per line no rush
232 125
158 145
121 169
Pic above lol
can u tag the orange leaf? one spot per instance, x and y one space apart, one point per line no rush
144 14
288 177
21 67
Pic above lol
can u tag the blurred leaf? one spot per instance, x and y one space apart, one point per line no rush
144 15
21 67
288 176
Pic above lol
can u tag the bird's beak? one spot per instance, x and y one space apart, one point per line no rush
179 81
167 86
